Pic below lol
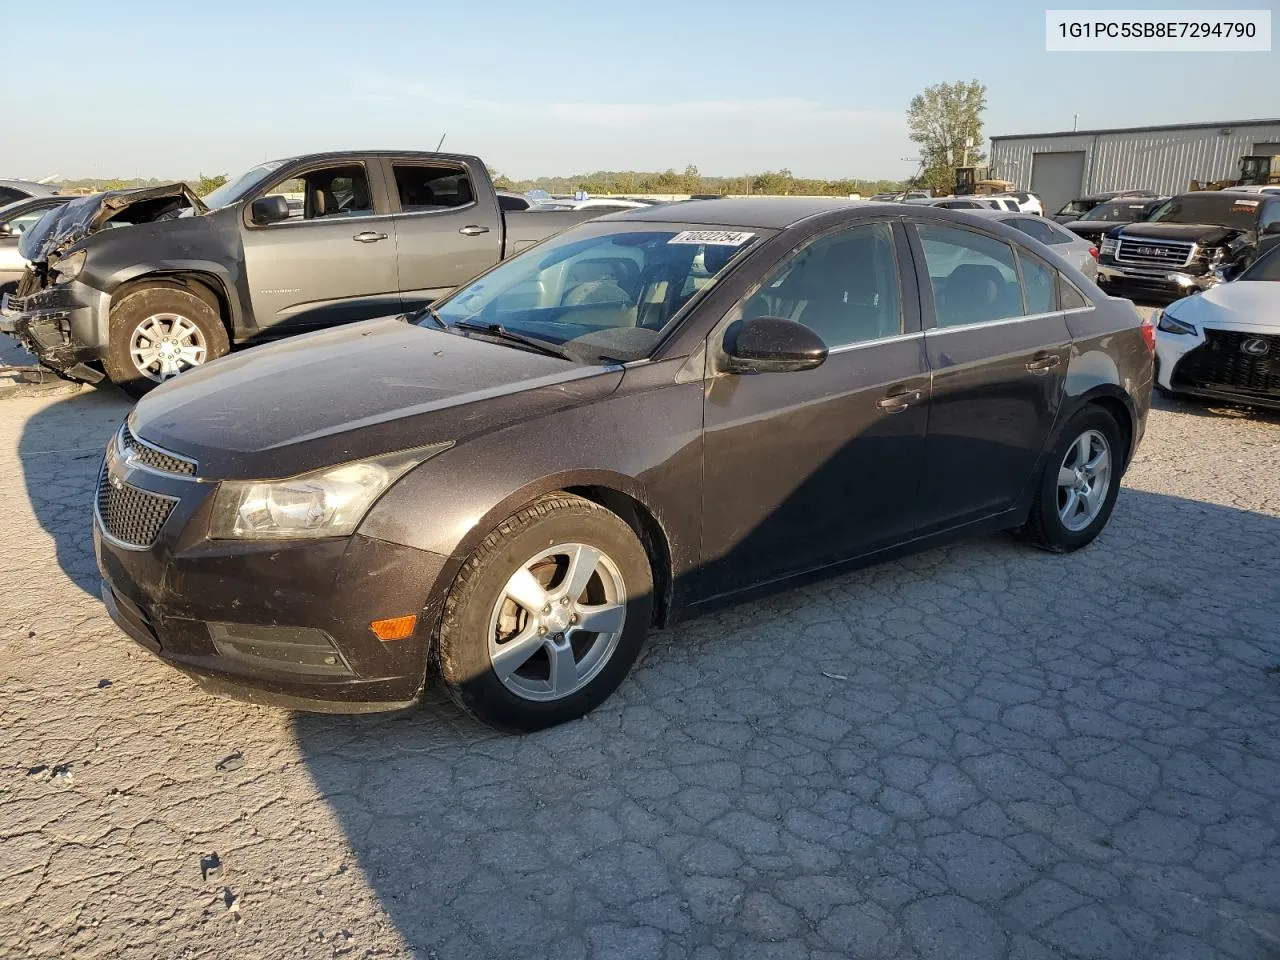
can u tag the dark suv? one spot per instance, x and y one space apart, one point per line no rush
1190 243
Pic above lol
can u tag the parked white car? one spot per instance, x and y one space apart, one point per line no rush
1027 202
603 204
1225 343
1258 188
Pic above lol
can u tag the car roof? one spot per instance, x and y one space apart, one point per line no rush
30 186
766 213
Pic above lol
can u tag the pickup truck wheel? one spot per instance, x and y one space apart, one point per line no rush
547 616
157 333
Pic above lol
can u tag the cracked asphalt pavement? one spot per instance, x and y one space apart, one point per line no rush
982 751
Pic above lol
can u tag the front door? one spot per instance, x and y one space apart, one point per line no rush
333 261
805 469
998 346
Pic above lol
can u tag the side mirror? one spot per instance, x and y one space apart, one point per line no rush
1271 229
271 209
6 230
772 345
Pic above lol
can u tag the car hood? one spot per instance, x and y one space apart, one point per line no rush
1200 232
1254 304
73 221
353 392
1090 228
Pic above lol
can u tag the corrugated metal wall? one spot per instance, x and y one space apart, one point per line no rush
1161 160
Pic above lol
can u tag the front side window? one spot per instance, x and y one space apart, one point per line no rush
427 187
599 290
327 194
973 276
842 286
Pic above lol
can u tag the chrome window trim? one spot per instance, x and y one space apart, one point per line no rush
1007 320
877 341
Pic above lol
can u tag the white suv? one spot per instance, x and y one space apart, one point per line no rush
1027 202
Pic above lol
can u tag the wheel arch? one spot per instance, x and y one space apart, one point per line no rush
206 284
1121 407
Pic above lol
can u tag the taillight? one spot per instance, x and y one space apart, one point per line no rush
1093 252
1149 334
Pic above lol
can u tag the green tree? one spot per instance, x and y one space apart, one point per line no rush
206 185
945 121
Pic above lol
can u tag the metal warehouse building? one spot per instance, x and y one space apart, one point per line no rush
1062 166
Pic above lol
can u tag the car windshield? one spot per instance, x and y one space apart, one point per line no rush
600 290
233 190
1212 207
1116 211
1266 267
1076 208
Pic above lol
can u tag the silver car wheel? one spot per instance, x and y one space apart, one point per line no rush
1084 480
165 344
557 622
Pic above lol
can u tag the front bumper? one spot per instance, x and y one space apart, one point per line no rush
65 326
1211 364
1177 283
280 623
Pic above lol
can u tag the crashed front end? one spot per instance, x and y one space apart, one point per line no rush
57 315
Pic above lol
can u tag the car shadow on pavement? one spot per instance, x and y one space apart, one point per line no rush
60 452
981 751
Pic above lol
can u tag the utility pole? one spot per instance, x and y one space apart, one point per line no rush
1075 123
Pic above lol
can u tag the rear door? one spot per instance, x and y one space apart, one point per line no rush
998 346
448 226
333 261
807 468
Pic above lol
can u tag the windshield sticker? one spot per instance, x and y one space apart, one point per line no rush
724 238
1244 206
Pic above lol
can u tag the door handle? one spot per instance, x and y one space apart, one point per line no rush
1044 364
897 402
369 237
472 230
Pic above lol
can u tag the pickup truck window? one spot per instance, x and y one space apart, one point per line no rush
328 193
425 187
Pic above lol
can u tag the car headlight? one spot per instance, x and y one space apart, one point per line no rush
69 267
324 503
1171 324
1109 246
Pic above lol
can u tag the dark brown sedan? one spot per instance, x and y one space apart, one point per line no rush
640 418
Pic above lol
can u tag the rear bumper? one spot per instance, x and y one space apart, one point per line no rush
65 326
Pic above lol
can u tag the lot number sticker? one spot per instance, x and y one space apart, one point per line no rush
726 238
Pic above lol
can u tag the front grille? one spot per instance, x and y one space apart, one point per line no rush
130 515
1164 253
154 457
1221 363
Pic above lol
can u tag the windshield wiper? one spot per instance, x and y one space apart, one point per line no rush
413 316
502 333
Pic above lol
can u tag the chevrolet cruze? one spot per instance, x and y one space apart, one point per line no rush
638 419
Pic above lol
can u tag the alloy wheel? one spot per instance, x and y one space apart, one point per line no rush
165 344
557 622
1084 479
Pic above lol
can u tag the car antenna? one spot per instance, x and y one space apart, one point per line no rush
441 143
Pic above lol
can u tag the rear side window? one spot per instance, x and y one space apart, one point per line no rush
1040 281
9 196
973 276
427 187
1070 297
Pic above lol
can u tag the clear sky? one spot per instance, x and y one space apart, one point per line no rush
134 88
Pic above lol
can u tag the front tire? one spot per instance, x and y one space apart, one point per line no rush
1079 484
158 333
547 616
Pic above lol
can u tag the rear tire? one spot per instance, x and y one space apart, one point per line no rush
533 662
167 325
1079 483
